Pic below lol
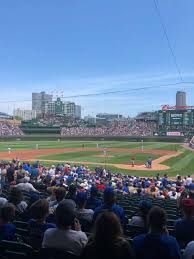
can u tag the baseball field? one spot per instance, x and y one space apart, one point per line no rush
167 158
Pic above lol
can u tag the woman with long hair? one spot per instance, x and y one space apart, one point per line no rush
107 240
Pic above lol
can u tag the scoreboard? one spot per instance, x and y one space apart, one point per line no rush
176 118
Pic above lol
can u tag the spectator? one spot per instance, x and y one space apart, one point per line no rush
8 129
64 237
188 180
184 228
189 251
141 220
11 173
81 212
16 198
157 243
72 193
93 201
59 196
37 224
7 229
26 186
107 241
110 205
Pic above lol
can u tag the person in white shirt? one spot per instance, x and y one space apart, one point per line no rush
64 237
25 186
52 170
188 180
189 251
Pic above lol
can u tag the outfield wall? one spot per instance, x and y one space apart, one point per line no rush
45 137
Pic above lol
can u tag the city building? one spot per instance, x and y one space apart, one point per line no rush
39 100
59 107
25 115
180 99
69 108
90 119
78 111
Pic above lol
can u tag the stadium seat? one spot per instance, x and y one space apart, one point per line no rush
52 253
10 249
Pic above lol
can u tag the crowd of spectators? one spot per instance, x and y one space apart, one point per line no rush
120 128
61 204
191 143
8 129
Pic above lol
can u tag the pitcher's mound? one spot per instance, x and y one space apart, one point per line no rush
103 156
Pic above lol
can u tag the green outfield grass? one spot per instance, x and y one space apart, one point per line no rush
29 145
183 164
118 158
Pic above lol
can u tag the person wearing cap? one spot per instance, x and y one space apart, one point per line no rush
110 205
81 212
184 228
68 235
93 201
140 220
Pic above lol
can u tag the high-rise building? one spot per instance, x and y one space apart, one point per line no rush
69 109
39 101
180 98
60 108
24 114
78 111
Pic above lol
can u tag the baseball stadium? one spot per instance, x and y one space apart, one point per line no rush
96 129
163 139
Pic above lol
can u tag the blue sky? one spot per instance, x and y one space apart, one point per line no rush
92 46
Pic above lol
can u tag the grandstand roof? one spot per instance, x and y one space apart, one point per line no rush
5 116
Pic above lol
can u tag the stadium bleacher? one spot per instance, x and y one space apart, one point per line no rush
119 194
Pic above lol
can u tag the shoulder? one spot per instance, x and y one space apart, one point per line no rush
169 239
50 225
50 231
99 208
80 235
139 239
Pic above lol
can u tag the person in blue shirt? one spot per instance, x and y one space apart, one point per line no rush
93 201
110 205
165 180
7 229
26 167
34 173
157 244
184 228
